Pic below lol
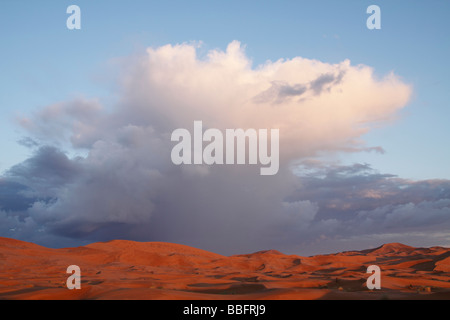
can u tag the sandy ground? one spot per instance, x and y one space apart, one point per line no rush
155 270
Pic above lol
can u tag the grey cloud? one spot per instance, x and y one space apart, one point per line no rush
279 91
28 142
291 91
45 172
12 197
77 121
125 186
324 81
427 213
116 193
356 201
342 191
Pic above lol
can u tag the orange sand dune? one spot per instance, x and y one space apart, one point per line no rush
154 270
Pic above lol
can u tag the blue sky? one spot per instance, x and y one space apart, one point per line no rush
43 62
48 197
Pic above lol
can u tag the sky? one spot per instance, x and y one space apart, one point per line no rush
87 116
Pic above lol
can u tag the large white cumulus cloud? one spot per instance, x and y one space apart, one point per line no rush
317 106
127 186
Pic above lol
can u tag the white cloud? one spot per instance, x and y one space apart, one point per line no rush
127 185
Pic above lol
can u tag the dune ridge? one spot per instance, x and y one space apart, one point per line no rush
122 269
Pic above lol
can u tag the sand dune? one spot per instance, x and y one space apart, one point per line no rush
154 270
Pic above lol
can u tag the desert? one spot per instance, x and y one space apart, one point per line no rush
120 269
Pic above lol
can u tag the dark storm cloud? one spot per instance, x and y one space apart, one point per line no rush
12 197
125 185
365 201
329 203
45 172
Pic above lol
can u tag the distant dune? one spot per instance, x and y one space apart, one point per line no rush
154 270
